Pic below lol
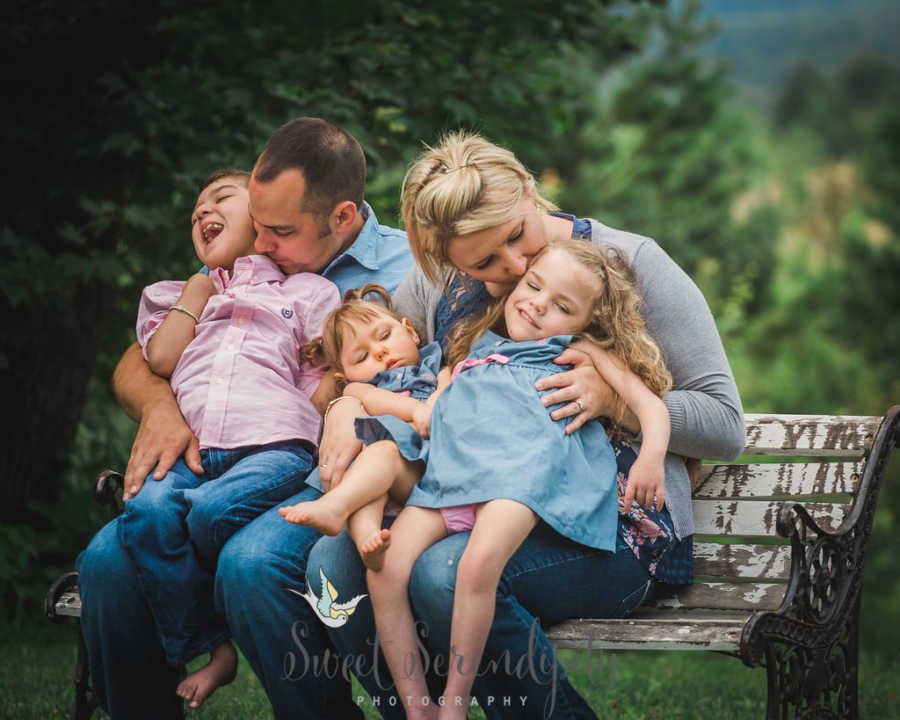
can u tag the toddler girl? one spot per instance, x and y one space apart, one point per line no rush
229 342
474 482
376 355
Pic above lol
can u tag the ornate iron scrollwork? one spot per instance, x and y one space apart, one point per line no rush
810 645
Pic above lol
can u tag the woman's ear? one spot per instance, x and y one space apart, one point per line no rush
340 377
410 329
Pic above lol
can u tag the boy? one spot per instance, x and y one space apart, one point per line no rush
229 343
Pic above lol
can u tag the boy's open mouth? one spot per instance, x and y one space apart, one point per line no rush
211 230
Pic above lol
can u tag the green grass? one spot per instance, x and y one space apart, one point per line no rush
37 666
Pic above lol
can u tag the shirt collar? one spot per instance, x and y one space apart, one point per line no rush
364 249
248 270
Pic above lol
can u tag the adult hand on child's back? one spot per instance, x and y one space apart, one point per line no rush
162 437
582 383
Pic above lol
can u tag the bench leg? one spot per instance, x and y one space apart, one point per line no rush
85 703
819 682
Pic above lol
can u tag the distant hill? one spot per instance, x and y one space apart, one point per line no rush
764 39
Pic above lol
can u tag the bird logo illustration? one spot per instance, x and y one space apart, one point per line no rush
331 613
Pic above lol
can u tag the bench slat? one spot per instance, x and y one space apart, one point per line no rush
808 435
724 596
723 634
716 560
756 517
69 604
778 479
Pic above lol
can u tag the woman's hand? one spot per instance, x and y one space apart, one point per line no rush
646 483
339 446
586 394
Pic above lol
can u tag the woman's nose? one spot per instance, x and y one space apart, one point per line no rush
516 263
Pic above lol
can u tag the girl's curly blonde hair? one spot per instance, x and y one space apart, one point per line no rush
616 323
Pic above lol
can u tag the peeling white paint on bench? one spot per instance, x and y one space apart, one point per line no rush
742 561
756 517
650 634
809 435
788 480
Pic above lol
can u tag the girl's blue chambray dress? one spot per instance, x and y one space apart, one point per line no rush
491 437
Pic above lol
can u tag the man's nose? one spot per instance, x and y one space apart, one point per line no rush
263 242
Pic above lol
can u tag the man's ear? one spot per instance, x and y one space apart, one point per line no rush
343 217
410 329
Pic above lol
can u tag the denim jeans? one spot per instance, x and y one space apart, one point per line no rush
548 579
261 571
172 530
120 619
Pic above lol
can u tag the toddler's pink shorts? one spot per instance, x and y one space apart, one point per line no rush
459 518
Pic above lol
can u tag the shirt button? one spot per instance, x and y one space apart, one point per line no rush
231 347
256 278
240 321
220 380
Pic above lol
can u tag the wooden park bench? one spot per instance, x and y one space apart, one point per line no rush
779 556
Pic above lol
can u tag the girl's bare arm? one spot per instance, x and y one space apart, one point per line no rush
378 401
647 472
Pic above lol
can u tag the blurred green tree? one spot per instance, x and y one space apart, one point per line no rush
115 110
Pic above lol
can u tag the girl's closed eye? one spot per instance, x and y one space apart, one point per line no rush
564 308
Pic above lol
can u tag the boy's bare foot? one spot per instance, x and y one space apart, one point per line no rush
220 670
314 514
372 550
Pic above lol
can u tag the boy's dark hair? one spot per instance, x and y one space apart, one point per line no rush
223 173
330 158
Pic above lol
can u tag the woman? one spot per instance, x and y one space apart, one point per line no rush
474 218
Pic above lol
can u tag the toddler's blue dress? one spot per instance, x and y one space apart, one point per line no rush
418 381
491 437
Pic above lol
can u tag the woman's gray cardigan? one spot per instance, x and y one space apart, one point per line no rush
704 406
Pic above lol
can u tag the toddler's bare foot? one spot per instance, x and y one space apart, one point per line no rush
220 670
314 514
372 550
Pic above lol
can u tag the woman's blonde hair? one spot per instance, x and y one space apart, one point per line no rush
464 185
326 350
616 323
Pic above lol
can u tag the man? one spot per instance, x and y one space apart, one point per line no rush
306 201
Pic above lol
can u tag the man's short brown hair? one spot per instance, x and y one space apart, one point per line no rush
331 160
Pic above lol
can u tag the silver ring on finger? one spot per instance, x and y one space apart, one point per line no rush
323 466
579 404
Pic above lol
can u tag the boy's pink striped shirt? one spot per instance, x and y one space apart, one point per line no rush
240 382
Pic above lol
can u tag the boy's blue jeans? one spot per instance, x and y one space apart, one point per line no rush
173 529
163 549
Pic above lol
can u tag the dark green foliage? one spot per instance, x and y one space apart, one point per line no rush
118 111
